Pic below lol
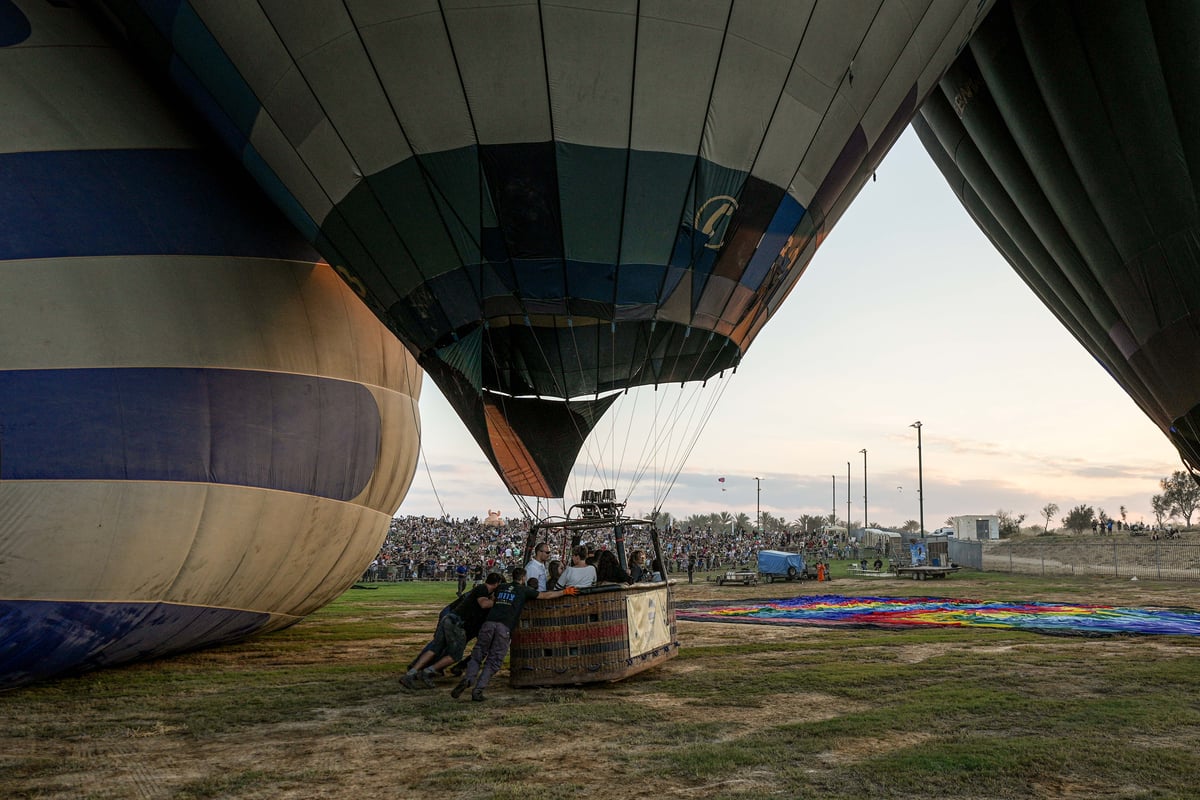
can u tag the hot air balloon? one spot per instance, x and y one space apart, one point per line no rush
1069 133
552 202
203 432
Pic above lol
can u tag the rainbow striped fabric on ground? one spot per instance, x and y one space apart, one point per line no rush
1059 618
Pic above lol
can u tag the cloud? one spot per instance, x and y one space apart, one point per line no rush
1033 461
468 487
961 475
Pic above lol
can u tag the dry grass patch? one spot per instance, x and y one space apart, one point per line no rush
746 711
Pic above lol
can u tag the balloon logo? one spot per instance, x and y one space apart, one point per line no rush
715 213
351 280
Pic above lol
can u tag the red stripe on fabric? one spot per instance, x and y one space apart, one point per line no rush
574 635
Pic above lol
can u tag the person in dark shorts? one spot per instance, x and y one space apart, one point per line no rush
496 633
458 623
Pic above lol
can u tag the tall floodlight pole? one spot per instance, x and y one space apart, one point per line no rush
758 504
920 479
847 497
833 516
866 516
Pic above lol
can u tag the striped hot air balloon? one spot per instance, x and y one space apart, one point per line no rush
203 432
551 202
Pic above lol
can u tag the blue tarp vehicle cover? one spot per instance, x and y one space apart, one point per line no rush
776 562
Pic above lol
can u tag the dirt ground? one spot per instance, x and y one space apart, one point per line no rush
368 751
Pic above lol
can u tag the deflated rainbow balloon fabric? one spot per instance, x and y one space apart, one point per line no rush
1059 618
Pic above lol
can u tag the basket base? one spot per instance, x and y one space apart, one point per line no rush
600 635
524 677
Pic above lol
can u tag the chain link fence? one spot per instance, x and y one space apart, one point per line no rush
1119 559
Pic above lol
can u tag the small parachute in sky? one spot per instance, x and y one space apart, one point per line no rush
551 203
1070 133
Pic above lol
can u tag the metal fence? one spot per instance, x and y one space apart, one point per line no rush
1152 559
966 553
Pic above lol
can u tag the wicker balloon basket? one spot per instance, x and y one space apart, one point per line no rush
605 633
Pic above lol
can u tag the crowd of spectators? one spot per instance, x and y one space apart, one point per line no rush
433 548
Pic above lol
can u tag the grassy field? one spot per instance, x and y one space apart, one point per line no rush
745 711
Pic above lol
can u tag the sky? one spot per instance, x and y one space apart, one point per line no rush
905 313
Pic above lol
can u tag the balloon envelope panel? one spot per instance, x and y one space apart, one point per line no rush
550 201
203 431
1071 134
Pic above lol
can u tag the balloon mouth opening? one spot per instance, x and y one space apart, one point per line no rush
497 393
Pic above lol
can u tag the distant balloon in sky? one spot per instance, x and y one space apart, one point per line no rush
1070 132
550 202
203 432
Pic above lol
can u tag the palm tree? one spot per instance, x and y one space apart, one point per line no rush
771 522
807 523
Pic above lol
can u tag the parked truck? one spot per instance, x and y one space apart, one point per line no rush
773 564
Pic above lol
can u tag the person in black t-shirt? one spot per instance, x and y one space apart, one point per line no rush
496 633
458 623
608 569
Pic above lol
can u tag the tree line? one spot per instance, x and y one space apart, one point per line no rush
725 521
771 523
1179 499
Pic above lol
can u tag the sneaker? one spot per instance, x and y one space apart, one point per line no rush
477 696
460 688
426 678
406 681
458 669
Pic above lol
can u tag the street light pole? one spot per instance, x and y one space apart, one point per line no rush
847 497
758 504
833 517
866 516
920 478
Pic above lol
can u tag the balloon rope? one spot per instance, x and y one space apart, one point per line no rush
429 474
688 442
652 445
416 412
715 398
633 402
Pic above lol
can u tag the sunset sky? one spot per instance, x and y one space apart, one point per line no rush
905 313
